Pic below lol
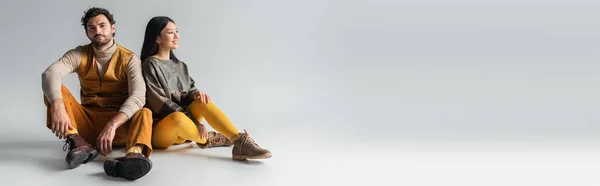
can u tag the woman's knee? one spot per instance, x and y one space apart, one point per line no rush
159 146
178 117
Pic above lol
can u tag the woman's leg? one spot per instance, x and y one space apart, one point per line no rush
244 146
214 116
174 128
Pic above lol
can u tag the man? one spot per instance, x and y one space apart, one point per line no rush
112 96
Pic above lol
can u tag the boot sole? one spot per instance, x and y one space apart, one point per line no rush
130 168
79 158
244 157
207 147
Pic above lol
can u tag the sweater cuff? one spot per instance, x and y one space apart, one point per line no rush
127 111
51 96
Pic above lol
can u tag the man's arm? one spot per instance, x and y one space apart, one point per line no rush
54 74
51 86
137 88
135 101
137 93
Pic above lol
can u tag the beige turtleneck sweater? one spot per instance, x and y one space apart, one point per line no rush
69 62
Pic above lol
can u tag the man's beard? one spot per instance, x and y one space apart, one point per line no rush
100 43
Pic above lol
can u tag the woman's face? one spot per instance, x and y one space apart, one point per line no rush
169 37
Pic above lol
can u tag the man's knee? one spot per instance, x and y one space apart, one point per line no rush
143 112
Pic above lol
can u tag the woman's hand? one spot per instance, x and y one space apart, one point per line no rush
202 130
202 96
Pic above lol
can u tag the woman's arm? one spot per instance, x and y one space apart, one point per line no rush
188 95
156 96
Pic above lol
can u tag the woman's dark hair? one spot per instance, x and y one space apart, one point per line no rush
150 47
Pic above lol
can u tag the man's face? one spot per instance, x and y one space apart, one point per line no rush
99 30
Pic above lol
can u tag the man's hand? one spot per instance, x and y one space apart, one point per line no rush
61 123
105 139
203 131
202 96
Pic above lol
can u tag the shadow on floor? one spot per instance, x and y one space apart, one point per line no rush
189 149
49 155
45 154
103 176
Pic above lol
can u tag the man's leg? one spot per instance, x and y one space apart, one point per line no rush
244 146
135 164
80 151
140 132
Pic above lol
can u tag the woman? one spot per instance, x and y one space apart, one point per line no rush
177 105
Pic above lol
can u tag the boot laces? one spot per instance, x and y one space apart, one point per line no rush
248 139
68 144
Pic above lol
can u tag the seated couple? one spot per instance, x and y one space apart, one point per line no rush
136 103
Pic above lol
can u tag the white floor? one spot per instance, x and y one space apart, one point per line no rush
369 93
39 160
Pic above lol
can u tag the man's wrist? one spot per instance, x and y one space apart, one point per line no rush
112 125
58 104
117 120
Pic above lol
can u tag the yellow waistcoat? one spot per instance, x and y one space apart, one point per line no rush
111 92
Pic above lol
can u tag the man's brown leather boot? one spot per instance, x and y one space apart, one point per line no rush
80 151
132 166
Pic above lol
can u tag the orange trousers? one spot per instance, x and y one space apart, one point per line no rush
89 122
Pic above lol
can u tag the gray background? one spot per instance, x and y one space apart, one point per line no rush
424 92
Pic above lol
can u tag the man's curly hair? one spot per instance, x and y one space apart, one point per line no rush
93 12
